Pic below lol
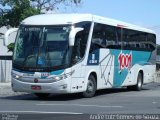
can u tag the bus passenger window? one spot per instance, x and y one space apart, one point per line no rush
80 44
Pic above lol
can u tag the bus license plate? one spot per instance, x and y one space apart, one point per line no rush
35 87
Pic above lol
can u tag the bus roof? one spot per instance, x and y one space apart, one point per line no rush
64 19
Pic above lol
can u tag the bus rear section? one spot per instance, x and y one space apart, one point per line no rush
122 56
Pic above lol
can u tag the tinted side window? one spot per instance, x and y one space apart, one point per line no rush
137 40
151 41
80 41
98 37
112 37
104 36
134 39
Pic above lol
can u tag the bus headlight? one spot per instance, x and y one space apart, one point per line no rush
57 78
16 76
63 76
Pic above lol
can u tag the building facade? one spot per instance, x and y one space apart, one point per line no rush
5 57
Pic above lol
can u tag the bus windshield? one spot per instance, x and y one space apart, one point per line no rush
40 47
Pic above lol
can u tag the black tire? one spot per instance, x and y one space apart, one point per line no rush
42 95
138 86
91 87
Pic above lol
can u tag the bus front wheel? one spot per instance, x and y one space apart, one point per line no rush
91 87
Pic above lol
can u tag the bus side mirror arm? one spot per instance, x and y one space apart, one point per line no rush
7 34
72 35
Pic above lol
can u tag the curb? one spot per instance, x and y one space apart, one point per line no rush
5 84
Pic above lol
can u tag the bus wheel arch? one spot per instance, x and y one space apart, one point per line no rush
91 85
95 76
139 81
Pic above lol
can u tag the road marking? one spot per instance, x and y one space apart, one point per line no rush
154 102
41 112
81 105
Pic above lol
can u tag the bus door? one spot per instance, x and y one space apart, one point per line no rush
78 67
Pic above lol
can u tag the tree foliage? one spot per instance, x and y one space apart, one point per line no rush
46 5
10 47
14 11
19 10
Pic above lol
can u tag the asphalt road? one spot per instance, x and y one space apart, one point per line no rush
110 101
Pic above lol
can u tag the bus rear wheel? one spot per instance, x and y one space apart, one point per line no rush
42 95
91 87
138 86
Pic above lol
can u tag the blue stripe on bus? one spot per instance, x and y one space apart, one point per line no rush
138 57
58 72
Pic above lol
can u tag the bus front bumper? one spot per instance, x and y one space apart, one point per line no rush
56 87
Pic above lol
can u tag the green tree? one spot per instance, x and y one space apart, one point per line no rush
21 9
45 5
10 47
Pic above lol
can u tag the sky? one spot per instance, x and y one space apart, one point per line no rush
145 13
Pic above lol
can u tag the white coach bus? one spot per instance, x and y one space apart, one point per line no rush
73 53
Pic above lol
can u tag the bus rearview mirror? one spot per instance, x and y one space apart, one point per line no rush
7 34
72 35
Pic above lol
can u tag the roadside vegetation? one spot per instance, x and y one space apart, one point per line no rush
12 12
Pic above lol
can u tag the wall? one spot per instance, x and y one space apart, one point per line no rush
5 70
5 57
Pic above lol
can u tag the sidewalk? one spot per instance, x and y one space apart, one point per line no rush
5 84
6 90
158 77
